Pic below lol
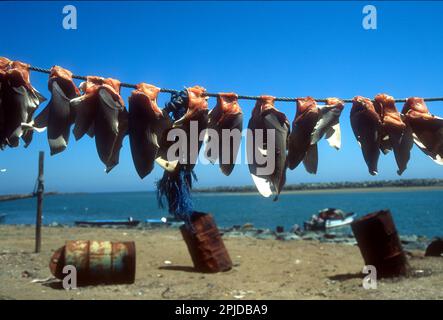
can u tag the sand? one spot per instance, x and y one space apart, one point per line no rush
263 269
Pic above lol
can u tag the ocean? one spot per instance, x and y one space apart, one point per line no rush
415 212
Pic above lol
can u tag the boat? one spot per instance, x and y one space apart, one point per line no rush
2 218
329 218
164 221
111 222
156 221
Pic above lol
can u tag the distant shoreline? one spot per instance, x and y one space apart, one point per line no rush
363 186
322 191
302 188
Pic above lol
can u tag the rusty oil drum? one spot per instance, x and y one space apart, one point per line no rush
96 261
380 244
205 245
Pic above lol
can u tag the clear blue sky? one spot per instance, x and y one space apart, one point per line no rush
277 48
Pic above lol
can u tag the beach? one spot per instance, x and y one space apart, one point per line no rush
263 269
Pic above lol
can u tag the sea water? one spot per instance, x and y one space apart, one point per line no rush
415 211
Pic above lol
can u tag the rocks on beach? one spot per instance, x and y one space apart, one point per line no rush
343 236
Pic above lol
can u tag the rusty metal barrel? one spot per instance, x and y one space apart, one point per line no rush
380 244
205 245
435 248
96 261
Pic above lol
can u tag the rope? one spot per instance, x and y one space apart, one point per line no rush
240 97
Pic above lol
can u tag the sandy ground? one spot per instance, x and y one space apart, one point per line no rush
264 269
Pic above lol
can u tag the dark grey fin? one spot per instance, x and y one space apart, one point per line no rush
122 131
143 150
41 120
402 149
310 161
16 113
85 109
27 137
263 184
59 120
232 122
300 139
278 177
106 126
366 131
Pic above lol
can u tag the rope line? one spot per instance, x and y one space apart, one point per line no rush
240 97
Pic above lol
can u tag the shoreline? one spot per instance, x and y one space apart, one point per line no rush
312 188
248 231
336 190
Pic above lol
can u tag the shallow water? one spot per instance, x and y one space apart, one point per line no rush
415 212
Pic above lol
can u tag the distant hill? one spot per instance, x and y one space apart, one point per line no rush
336 185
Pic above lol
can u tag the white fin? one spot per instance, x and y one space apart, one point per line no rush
333 136
167 165
154 139
263 151
263 186
30 126
438 160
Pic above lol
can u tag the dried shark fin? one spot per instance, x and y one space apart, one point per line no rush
328 124
111 123
394 134
101 113
266 117
85 106
427 129
225 116
147 124
4 65
58 115
303 126
19 101
365 123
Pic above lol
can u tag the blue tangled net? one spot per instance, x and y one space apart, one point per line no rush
174 188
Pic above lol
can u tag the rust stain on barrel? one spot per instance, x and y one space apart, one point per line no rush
380 244
96 261
205 245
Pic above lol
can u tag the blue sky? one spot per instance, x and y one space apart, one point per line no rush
278 48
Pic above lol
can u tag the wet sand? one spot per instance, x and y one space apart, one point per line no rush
263 269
